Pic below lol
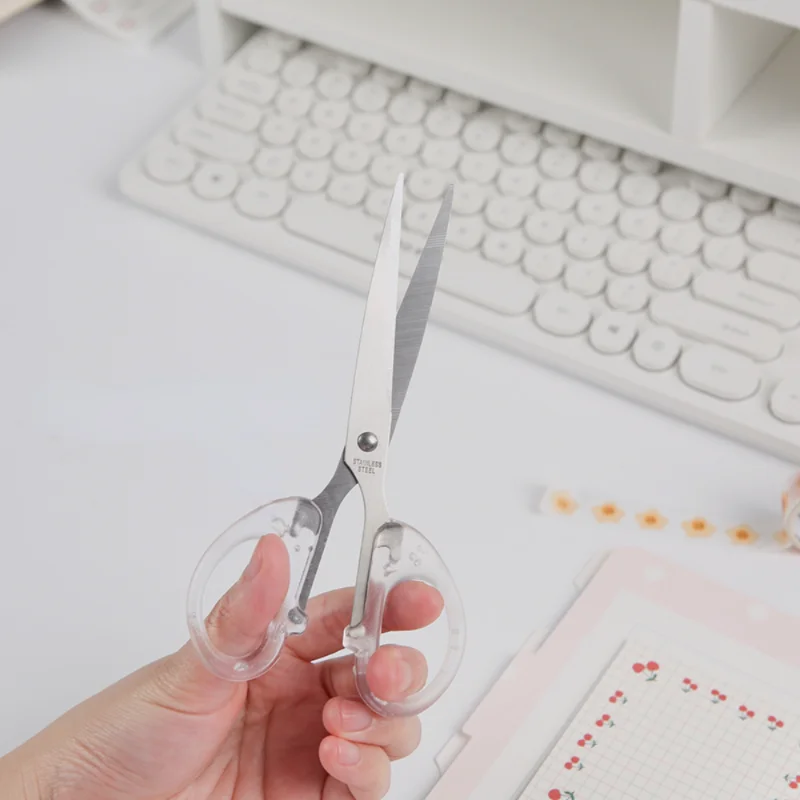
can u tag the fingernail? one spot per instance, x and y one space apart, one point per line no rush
349 754
354 717
405 675
254 567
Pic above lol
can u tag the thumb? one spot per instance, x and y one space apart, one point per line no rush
237 625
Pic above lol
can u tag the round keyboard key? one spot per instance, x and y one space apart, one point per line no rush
441 153
517 181
558 195
427 184
261 198
479 167
545 227
169 164
465 233
365 127
670 272
639 190
215 181
640 224
784 402
315 143
719 372
505 213
420 217
680 203
586 241
386 169
544 263
310 176
599 176
747 200
520 149
598 209
403 141
657 349
348 190
370 96
274 162
560 137
425 91
562 313
351 156
482 135
377 204
468 198
724 252
503 247
559 162
710 188
604 151
461 102
334 84
300 71
279 130
443 122
388 77
294 102
405 109
612 333
628 294
628 258
723 218
330 114
521 123
681 238
638 162
587 278
264 60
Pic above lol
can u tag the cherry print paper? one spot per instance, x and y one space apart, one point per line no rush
688 730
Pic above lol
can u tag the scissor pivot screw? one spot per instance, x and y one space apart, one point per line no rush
367 441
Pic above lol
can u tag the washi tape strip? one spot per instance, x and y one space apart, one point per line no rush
765 532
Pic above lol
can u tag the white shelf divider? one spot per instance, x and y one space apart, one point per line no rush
692 82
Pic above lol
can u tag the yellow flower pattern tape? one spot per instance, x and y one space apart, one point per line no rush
610 511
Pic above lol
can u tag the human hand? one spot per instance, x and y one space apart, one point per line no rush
174 731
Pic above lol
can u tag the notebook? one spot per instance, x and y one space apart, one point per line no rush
654 684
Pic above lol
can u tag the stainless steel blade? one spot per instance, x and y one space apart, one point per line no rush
411 323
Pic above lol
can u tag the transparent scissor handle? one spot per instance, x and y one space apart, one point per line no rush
401 553
297 521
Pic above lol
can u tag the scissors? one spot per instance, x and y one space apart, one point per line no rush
391 552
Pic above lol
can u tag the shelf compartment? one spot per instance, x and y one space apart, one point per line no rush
600 67
761 128
786 12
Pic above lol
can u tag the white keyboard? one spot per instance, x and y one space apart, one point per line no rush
666 286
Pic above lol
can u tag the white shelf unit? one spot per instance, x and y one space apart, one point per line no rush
710 86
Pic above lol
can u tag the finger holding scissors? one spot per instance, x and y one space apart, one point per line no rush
391 552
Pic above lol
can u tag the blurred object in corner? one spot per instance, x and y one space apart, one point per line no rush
10 8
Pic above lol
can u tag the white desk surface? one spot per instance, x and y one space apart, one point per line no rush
157 383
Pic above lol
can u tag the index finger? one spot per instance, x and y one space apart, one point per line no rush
410 605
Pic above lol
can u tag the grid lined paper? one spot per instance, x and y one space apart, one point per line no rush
660 725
